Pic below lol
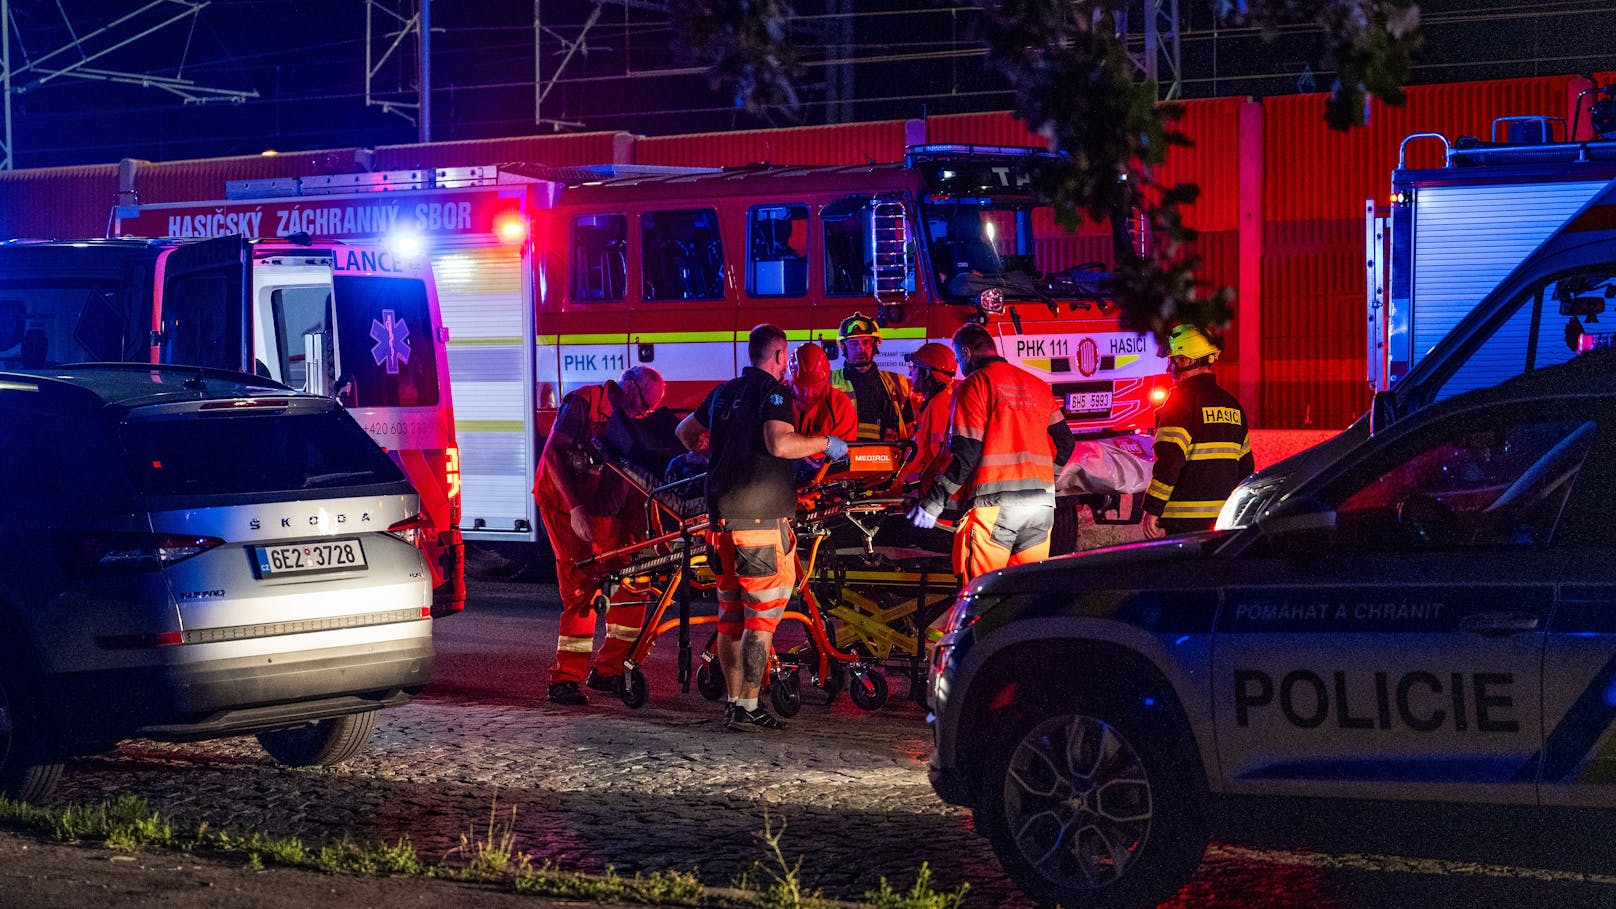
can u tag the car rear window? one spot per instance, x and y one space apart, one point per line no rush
195 454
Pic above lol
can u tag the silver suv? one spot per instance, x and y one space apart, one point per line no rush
188 554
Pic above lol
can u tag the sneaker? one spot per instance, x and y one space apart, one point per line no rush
740 718
568 694
611 684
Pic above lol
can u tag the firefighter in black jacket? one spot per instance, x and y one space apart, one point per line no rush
1203 446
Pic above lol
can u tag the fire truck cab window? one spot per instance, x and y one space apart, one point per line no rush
847 249
776 255
599 257
682 255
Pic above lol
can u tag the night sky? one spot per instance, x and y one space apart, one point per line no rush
305 61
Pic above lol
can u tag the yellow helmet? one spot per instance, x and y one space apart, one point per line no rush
1188 341
858 325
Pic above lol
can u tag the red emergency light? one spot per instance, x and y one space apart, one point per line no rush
510 227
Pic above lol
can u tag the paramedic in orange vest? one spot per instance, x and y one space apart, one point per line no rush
1006 439
820 409
882 398
931 374
586 510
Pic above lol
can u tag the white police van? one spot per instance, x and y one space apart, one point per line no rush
188 553
1429 621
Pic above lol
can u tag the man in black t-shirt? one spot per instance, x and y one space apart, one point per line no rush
753 443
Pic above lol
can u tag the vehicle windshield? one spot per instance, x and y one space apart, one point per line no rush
987 238
49 320
1551 322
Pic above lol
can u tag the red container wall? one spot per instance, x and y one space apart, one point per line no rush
852 143
204 179
1313 335
59 203
1316 172
562 150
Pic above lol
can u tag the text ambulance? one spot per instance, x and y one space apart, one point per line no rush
358 323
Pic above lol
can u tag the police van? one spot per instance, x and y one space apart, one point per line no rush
188 553
1429 620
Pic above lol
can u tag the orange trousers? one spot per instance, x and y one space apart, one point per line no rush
757 571
998 536
576 638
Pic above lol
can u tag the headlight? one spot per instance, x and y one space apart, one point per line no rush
966 610
1247 502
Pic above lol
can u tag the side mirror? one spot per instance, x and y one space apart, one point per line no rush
1382 411
319 377
1308 531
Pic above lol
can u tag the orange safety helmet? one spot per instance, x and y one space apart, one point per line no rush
936 357
810 373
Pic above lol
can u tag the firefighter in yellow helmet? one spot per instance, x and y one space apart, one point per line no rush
1203 444
885 413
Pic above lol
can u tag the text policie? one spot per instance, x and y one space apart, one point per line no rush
1419 700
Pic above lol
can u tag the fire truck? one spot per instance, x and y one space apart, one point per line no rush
556 277
355 322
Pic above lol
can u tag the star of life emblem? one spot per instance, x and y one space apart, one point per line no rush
392 341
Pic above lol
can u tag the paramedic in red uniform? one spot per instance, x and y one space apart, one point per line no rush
586 510
931 374
820 409
1006 439
1203 448
751 501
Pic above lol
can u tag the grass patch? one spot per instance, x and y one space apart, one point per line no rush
486 854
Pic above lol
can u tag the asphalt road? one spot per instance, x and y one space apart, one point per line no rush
666 787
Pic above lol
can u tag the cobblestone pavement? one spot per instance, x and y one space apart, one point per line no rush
666 787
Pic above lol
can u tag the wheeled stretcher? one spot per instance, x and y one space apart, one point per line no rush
863 603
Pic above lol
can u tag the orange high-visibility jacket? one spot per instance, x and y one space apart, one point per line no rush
1006 435
567 474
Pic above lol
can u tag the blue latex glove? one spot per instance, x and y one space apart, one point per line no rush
835 448
922 518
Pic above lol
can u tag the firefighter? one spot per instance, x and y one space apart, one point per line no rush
586 510
1007 438
931 374
819 408
884 410
1203 448
751 501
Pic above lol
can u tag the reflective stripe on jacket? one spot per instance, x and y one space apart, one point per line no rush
1203 450
1000 444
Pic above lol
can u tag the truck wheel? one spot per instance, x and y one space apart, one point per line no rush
25 772
1064 533
323 743
1092 802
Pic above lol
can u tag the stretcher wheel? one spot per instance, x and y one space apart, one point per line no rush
635 688
834 680
868 688
710 681
786 694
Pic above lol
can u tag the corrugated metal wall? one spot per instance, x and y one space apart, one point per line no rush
1314 184
559 150
57 202
852 143
1316 180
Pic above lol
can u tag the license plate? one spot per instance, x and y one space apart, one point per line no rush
301 558
1088 402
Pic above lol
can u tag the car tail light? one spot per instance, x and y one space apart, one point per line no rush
411 530
114 552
